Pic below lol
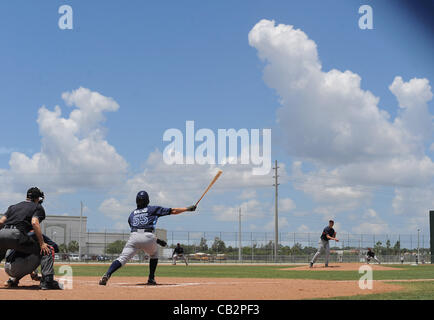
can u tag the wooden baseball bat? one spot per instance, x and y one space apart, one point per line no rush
210 185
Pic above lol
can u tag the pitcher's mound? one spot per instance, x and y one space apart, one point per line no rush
342 267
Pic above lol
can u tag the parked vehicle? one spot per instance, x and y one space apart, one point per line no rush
200 256
85 257
74 257
103 258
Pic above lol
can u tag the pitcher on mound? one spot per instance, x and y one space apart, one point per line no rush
328 234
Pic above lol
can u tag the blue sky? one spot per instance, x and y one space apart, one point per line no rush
168 62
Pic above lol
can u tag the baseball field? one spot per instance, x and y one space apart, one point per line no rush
236 282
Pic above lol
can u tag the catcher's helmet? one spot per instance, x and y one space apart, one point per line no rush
35 193
142 199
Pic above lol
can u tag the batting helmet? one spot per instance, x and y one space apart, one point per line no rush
142 199
35 193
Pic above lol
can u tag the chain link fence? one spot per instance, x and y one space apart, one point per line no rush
256 247
409 241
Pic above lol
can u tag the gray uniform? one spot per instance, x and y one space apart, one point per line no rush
324 245
142 222
15 239
19 264
22 265
139 240
15 235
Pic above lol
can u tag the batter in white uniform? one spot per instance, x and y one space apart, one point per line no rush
142 221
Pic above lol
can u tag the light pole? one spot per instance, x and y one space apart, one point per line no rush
79 232
417 259
276 210
251 239
239 236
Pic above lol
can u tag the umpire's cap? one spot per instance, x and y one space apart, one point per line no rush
142 199
35 193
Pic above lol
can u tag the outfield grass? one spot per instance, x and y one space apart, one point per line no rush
413 291
245 271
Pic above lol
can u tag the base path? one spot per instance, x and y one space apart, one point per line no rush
134 288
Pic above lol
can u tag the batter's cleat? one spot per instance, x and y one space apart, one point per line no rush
35 276
103 280
311 265
151 282
50 285
11 283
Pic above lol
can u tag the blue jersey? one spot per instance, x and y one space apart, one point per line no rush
147 218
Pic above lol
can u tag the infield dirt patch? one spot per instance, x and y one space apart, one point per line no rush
134 288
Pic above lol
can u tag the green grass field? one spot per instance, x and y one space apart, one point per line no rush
414 290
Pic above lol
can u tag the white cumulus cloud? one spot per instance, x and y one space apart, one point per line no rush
74 153
286 205
328 120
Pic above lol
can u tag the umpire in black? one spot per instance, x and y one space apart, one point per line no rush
14 228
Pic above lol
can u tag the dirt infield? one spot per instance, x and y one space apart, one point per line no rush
342 267
134 288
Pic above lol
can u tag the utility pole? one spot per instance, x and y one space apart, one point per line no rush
417 259
251 242
276 211
240 257
399 249
79 232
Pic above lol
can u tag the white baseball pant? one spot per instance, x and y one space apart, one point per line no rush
145 241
